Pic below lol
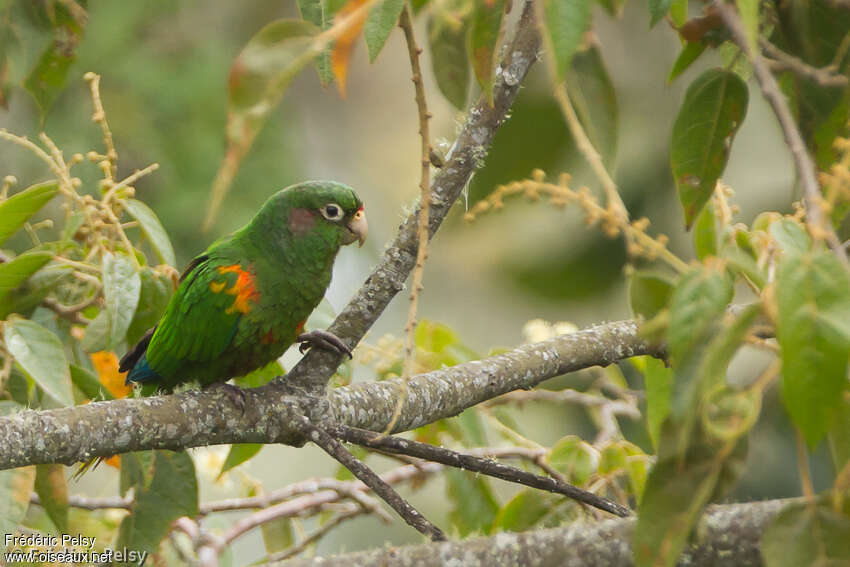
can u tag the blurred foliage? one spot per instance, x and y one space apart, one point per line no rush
87 266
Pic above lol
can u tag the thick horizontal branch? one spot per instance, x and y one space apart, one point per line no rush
727 536
194 419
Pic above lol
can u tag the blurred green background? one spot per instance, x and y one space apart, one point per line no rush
164 68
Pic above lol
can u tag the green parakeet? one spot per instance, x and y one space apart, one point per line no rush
244 301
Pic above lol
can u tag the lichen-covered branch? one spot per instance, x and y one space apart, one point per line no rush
210 417
727 536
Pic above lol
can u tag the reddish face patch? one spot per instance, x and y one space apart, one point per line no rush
301 221
244 290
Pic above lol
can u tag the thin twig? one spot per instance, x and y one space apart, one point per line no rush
413 51
275 558
335 449
475 464
819 223
781 61
803 468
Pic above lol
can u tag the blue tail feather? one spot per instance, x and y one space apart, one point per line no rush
142 372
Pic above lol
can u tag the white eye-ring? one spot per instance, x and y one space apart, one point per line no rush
332 212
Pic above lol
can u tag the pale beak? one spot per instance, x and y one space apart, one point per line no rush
357 227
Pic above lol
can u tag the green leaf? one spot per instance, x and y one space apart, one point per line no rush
238 454
155 292
672 501
659 389
320 14
839 436
485 28
613 7
698 301
657 10
277 535
813 298
473 506
16 272
574 458
89 384
749 12
449 60
649 292
41 356
679 12
690 53
524 511
791 236
260 376
705 232
153 230
17 209
592 93
714 108
171 493
807 534
565 22
15 488
379 23
52 490
122 286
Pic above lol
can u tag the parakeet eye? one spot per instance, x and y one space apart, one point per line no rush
332 212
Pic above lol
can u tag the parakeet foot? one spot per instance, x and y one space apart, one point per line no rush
322 339
235 393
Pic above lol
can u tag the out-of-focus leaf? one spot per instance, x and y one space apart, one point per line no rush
613 7
41 355
47 79
277 535
575 458
18 208
807 534
522 512
657 10
705 232
714 108
672 501
238 454
813 297
260 376
679 12
749 12
380 22
16 272
473 506
15 488
153 230
171 493
320 14
449 60
89 384
258 78
659 387
791 236
565 22
153 298
839 436
690 53
344 44
592 93
122 286
485 29
649 292
26 297
52 490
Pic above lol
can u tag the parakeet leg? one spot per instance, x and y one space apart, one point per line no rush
235 393
322 339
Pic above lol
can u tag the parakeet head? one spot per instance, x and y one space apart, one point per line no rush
322 214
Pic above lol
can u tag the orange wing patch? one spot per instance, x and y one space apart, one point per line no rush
244 289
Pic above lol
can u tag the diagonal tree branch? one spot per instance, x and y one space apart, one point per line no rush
198 418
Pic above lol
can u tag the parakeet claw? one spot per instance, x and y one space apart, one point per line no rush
235 393
322 339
